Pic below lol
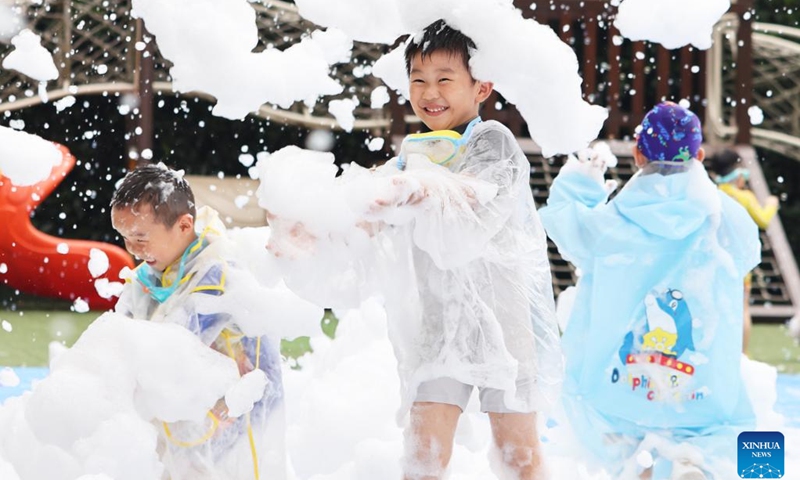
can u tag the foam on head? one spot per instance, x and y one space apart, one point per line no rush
439 37
160 187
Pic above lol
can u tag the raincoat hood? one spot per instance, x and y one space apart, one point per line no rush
670 206
654 334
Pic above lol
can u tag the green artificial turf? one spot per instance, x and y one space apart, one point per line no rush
31 332
770 343
26 344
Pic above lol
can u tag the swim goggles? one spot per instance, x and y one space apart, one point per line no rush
440 146
148 277
739 172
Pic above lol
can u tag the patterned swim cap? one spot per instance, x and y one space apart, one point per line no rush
670 134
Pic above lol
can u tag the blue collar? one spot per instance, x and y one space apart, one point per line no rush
149 278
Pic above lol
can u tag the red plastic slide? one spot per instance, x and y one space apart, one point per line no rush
30 260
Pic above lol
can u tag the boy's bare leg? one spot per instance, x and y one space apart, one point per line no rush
429 440
518 444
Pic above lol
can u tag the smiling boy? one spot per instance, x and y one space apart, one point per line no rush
484 284
185 279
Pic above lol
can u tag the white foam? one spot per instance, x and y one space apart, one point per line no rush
241 397
93 413
550 99
374 21
30 57
379 97
11 22
64 103
26 159
672 23
80 306
8 378
391 68
211 51
107 289
98 262
342 110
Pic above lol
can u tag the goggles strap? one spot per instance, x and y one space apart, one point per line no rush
739 172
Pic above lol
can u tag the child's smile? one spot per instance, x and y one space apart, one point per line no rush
443 93
150 240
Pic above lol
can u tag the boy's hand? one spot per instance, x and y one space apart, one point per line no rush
594 162
289 239
220 412
371 228
610 186
403 191
772 201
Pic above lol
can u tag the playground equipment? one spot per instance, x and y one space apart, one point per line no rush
751 65
40 264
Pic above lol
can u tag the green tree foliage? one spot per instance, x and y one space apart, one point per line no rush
782 12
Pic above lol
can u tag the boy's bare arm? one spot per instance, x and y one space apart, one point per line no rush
289 238
409 191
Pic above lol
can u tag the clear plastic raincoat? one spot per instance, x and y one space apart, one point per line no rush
654 339
200 294
460 257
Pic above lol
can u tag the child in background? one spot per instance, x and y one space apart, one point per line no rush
653 341
732 178
185 279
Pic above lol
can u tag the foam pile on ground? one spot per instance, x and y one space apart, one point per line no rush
93 413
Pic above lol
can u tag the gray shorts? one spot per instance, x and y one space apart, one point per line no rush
452 392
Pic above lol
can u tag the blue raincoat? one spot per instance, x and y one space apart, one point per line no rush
654 337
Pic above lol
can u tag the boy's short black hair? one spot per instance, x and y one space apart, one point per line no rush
440 37
160 187
724 162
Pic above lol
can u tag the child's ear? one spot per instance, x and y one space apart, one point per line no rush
638 157
186 222
701 154
484 91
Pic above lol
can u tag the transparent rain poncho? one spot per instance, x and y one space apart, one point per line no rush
226 307
457 253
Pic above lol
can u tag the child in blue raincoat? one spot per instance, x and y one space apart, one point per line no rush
653 341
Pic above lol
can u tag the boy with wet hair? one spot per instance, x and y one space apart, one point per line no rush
169 203
439 37
186 279
486 315
653 340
